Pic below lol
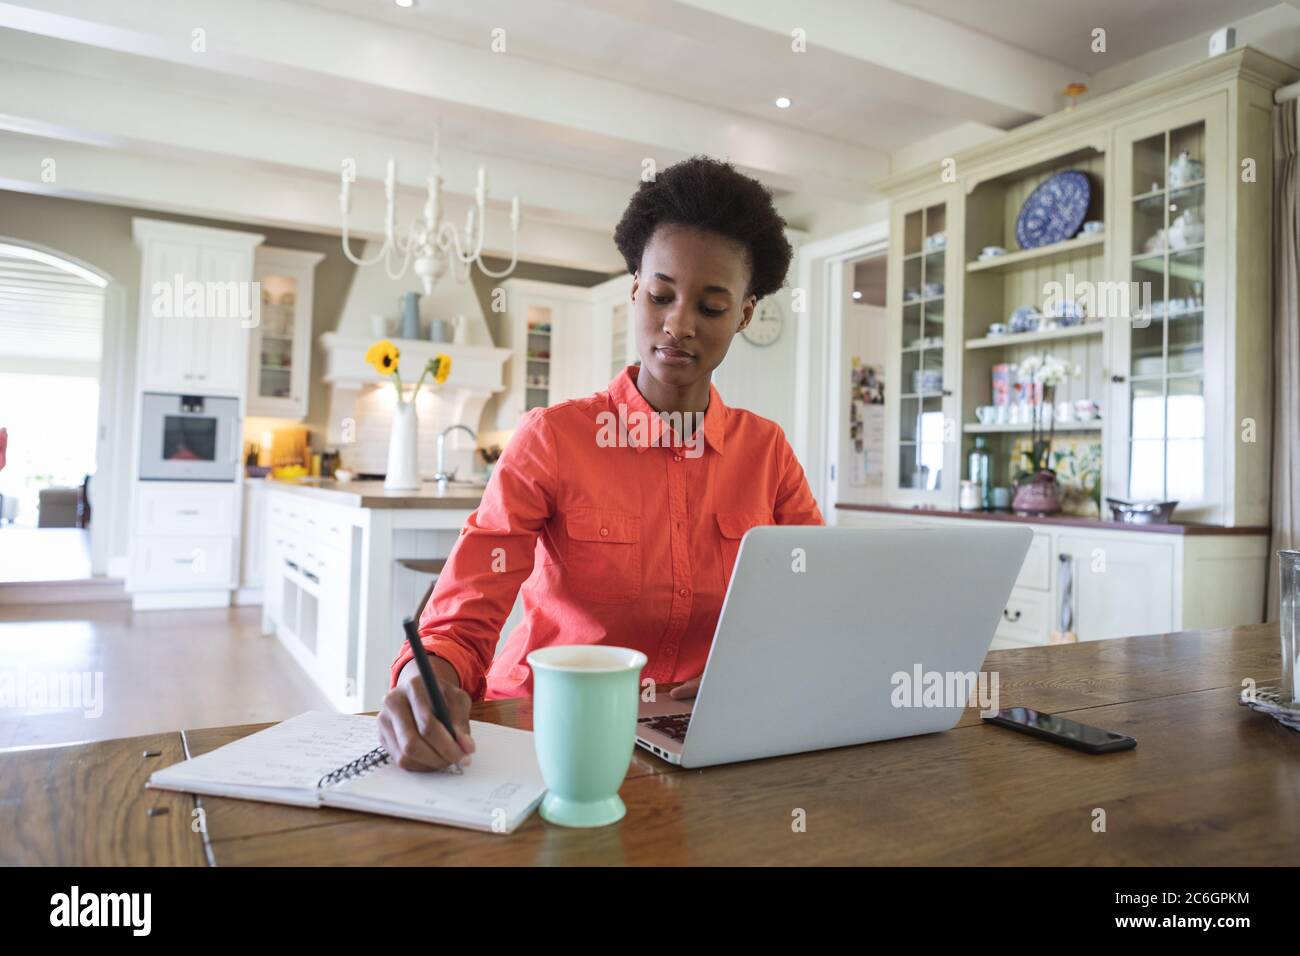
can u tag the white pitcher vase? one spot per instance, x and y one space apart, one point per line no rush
403 472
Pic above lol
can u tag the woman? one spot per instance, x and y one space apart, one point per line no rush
620 515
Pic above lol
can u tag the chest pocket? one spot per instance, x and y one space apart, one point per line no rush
732 526
603 557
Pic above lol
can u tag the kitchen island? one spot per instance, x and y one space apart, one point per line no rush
334 591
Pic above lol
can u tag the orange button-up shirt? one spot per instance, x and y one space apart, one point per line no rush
618 531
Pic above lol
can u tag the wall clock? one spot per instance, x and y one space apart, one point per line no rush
766 325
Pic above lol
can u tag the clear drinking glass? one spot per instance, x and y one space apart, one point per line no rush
1289 621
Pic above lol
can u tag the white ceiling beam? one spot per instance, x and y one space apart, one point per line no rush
349 59
973 74
165 123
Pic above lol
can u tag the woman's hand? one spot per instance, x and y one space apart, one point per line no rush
685 690
412 735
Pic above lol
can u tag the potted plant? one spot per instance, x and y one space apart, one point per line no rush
403 472
1036 491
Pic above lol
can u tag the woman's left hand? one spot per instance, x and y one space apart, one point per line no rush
686 690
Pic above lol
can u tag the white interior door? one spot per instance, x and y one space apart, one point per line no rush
858 425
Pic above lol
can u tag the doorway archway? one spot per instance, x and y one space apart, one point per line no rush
61 325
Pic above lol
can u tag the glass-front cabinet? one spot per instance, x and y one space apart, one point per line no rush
280 352
1169 369
540 323
923 355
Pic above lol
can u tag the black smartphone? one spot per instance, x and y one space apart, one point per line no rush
1061 730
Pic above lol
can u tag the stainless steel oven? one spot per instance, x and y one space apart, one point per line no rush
189 438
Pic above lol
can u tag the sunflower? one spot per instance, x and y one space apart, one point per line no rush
383 356
442 368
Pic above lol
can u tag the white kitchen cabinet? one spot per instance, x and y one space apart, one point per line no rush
1176 347
925 346
550 331
184 509
280 349
614 331
184 564
566 342
1115 588
196 307
196 304
167 341
310 590
184 541
1123 582
1025 619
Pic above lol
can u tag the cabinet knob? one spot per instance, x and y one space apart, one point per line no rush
1118 379
946 393
1010 617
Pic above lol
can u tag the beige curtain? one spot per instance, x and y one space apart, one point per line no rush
1286 339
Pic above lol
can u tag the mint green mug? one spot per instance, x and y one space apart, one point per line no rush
585 700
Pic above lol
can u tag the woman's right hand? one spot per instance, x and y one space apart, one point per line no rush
412 735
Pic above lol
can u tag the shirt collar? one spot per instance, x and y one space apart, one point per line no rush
623 391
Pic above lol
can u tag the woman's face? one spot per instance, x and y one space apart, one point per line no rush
688 302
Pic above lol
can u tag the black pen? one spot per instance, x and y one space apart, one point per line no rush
426 672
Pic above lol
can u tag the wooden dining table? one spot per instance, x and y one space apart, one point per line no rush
1210 783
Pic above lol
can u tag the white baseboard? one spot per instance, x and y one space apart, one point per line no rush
177 600
248 596
89 591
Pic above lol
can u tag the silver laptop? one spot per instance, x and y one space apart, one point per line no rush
826 633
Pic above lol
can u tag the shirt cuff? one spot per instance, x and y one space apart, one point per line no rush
467 671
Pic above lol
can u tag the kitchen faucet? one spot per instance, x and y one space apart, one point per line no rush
442 475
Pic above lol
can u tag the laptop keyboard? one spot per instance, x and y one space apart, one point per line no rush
673 725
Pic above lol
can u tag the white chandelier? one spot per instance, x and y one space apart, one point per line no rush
431 242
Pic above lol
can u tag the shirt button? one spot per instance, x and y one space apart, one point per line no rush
677 457
683 592
604 532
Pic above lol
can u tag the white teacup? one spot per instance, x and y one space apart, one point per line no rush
1064 412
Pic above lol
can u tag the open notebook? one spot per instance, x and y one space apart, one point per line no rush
320 759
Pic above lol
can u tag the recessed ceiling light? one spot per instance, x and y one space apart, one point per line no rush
783 102
405 3
857 294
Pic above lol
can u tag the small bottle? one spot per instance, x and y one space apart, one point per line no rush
968 498
978 466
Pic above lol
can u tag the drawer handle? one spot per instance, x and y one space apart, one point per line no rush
187 511
291 564
1010 617
183 560
311 577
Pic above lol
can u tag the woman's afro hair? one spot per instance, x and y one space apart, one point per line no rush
711 195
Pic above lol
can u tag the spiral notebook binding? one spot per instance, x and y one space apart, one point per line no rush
356 768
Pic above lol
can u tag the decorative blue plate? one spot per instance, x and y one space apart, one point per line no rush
1054 211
